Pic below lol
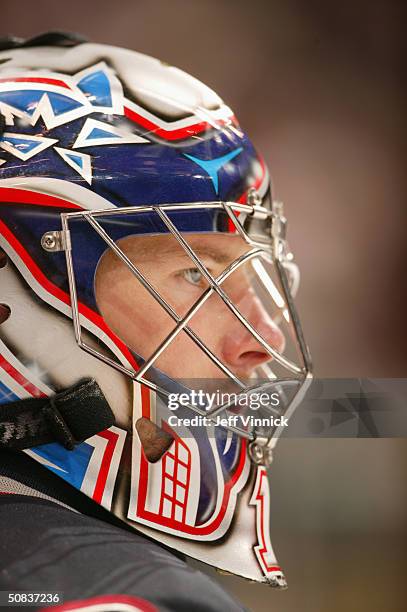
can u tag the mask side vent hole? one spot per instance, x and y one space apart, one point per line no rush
3 259
155 441
5 312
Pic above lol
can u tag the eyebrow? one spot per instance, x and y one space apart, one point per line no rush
216 254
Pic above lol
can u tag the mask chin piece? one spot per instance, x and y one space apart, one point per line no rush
260 452
277 581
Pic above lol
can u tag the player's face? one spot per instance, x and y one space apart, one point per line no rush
139 320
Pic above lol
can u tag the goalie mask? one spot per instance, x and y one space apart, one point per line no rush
146 274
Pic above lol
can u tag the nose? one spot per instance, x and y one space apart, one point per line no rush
241 351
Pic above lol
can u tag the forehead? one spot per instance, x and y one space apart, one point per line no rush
219 247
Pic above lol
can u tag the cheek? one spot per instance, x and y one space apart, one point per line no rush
213 323
183 359
134 315
179 297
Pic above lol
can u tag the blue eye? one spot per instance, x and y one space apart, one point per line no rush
193 276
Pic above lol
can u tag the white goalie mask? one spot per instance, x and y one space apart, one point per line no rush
143 251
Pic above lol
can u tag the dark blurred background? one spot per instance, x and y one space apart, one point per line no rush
319 87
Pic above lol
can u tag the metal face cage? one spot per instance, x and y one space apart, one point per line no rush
273 246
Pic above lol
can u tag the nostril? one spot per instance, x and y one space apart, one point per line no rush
254 355
5 312
252 359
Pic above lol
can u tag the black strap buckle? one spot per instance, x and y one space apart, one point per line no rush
69 417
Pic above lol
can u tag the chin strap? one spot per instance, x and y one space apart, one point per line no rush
68 417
